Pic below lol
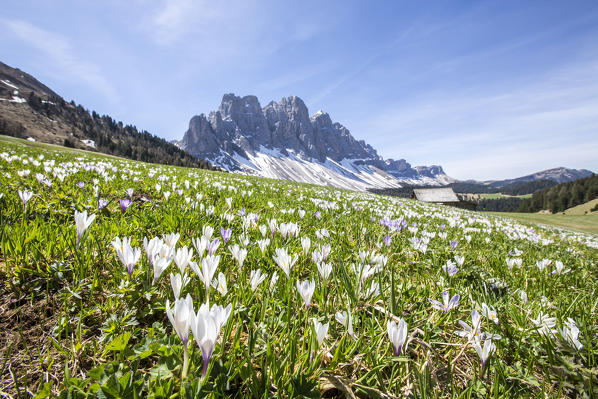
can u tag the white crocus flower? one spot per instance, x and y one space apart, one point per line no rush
512 262
207 231
220 284
171 239
82 222
542 264
522 296
284 260
152 248
570 333
182 257
181 317
306 290
160 264
239 254
544 323
209 264
263 244
449 303
325 269
25 196
490 313
201 244
177 282
206 328
305 244
346 319
559 268
273 224
321 331
485 351
256 278
397 333
263 230
471 332
128 255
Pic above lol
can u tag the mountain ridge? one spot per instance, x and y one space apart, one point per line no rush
559 175
282 140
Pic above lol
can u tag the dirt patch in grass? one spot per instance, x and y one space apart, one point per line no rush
27 356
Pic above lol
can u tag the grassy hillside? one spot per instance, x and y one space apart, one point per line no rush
583 223
501 195
127 279
583 209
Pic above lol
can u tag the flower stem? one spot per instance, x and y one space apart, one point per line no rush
185 362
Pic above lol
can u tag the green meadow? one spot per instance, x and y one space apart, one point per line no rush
122 279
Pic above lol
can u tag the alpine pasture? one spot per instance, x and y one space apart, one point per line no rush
126 279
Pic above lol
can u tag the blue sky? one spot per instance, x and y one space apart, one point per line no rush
488 90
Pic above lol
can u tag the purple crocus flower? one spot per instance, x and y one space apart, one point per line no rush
102 204
124 204
242 212
442 226
80 184
387 240
448 303
226 234
450 268
454 244
130 192
213 246
318 214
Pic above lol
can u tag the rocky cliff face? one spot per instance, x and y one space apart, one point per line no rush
282 140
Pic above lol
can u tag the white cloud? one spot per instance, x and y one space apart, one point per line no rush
57 48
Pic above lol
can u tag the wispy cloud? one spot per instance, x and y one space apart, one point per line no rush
58 49
174 18
227 29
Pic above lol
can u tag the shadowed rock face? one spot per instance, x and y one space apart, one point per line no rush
241 126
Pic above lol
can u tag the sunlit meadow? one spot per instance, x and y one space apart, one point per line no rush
125 279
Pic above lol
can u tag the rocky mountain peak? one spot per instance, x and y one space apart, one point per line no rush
321 118
241 130
233 106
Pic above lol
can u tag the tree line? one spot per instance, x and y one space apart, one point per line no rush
562 196
110 137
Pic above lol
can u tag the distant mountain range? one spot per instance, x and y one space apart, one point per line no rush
558 175
29 109
281 140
